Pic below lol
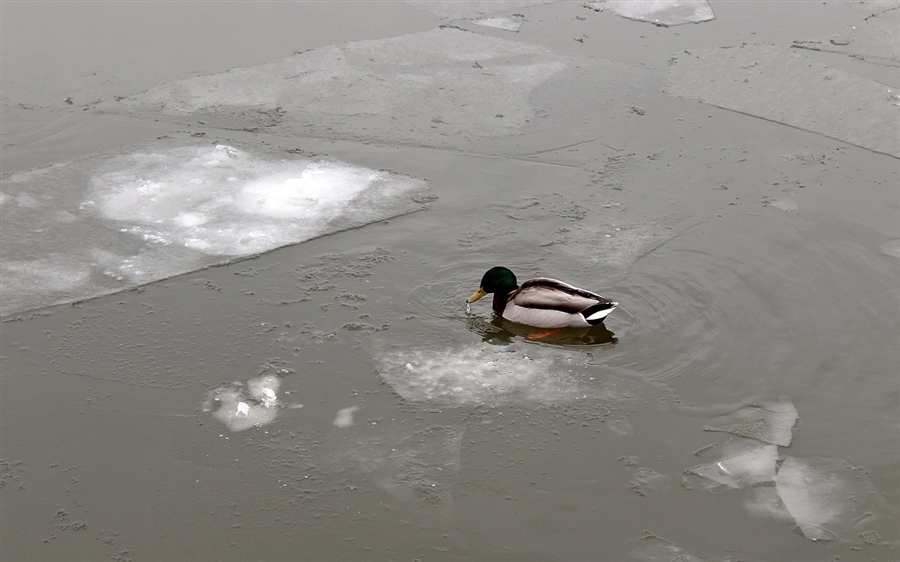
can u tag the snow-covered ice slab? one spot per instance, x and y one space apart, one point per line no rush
786 87
658 12
740 470
873 40
84 228
240 406
829 499
769 422
507 23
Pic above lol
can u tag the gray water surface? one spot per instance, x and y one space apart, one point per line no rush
332 399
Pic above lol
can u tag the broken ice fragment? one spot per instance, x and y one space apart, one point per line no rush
241 406
770 422
741 470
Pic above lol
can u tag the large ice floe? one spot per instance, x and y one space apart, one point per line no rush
873 40
478 88
79 229
784 86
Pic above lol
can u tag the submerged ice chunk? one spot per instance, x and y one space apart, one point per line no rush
477 375
764 501
241 406
829 499
742 469
652 548
769 422
344 417
659 12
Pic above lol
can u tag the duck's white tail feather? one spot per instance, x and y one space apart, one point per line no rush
601 314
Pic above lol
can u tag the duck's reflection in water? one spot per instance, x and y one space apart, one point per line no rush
500 331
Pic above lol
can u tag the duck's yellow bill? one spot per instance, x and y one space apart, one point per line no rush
476 295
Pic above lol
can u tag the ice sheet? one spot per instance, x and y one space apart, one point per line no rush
344 417
472 8
80 229
830 499
786 87
769 422
873 40
658 12
740 470
477 86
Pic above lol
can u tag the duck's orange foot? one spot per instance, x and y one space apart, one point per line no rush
543 334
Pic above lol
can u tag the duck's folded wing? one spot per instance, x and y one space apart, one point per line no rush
542 292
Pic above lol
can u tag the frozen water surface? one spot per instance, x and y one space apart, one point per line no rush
147 215
786 87
770 422
659 12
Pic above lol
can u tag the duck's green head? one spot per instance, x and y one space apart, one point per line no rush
496 280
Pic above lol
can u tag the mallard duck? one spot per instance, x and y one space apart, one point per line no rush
542 302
